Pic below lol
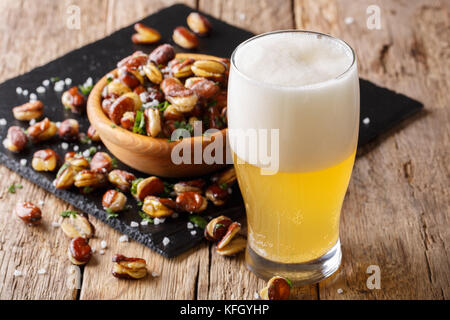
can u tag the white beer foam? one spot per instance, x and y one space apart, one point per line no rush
297 83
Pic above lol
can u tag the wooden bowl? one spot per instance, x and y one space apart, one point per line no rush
147 154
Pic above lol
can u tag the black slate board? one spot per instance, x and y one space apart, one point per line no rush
385 108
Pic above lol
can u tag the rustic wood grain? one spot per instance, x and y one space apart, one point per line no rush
396 213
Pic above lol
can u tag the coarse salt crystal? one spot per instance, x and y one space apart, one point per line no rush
143 96
42 271
366 121
93 250
103 244
349 20
40 89
166 241
123 238
256 295
68 81
190 225
17 273
230 191
40 202
3 122
86 153
242 16
65 145
151 104
25 92
193 232
76 148
144 223
155 274
58 124
134 224
19 90
102 252
32 122
159 220
46 82
23 162
89 82
55 224
340 291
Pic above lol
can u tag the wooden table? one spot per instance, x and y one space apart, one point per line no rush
396 212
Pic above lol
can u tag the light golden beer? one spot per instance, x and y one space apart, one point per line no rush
306 86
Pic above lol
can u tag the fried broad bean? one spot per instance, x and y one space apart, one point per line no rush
28 111
151 186
77 225
121 179
145 34
45 160
101 162
192 202
129 268
28 213
217 194
153 123
162 54
158 207
182 98
202 87
184 38
69 130
16 140
93 134
278 288
114 200
73 100
217 228
198 23
42 131
189 186
80 251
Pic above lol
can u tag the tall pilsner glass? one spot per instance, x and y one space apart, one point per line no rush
305 85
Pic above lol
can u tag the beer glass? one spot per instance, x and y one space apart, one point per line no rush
293 98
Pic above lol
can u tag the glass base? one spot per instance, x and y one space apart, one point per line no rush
299 273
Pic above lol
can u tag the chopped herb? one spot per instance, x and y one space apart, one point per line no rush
217 83
220 121
54 79
109 79
139 123
86 89
184 125
62 169
160 66
223 186
168 189
114 163
113 126
134 184
140 203
68 213
198 221
181 60
163 106
289 282
12 188
212 103
92 151
111 214
129 206
87 190
207 135
85 140
145 216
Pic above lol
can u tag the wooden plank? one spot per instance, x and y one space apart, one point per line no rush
178 276
396 211
21 247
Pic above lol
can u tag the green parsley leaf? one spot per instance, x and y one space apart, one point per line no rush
114 163
111 214
163 106
289 282
198 221
223 186
54 79
184 125
86 89
62 169
134 184
68 213
109 79
212 103
113 126
139 123
92 151
168 188
12 188
145 217
85 140
87 190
